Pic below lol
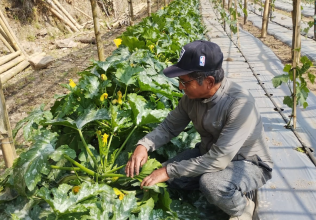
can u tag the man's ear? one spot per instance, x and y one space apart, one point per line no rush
210 81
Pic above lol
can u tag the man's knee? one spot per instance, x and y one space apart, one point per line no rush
215 188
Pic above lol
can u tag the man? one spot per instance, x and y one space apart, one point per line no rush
233 158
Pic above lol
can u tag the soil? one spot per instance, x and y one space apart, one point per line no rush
30 88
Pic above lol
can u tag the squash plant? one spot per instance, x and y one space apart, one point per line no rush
73 169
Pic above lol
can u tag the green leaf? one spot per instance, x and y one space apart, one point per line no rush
146 209
88 116
278 80
148 168
311 78
59 152
122 209
35 117
288 100
184 210
61 200
132 43
30 164
126 75
90 86
164 200
142 115
287 68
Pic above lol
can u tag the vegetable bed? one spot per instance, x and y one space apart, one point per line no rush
74 168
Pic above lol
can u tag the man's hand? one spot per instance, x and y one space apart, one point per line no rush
157 176
136 161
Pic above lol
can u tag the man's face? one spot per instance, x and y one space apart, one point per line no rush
193 89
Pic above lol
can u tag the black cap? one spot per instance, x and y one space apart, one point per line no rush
196 56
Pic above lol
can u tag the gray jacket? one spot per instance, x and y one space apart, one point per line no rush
229 124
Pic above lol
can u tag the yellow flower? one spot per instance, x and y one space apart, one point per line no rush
105 138
103 77
161 8
72 83
114 179
76 189
114 101
132 64
119 93
119 193
118 42
119 101
121 196
103 97
151 47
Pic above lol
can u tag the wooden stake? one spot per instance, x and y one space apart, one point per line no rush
237 24
265 19
114 9
225 11
246 9
97 30
297 53
315 22
53 8
6 43
67 14
131 10
5 37
149 7
7 144
11 64
88 16
165 2
8 34
9 57
15 70
157 5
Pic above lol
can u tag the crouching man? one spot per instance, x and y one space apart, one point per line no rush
233 158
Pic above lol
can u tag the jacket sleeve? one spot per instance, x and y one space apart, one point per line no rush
241 121
172 126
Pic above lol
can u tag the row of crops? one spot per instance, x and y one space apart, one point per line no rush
74 168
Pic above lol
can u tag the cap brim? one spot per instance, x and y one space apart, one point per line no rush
174 71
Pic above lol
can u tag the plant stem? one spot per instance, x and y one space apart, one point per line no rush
125 94
107 150
87 149
65 168
118 168
88 171
119 151
112 175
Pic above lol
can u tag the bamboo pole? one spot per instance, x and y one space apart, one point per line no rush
11 34
246 9
114 9
225 14
297 53
131 10
11 64
315 22
67 14
53 8
149 7
9 57
13 71
165 2
6 43
237 24
8 34
265 19
97 30
5 37
7 144
88 16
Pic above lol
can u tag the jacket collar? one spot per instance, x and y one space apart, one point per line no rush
218 95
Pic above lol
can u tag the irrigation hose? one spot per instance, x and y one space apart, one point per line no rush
308 150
